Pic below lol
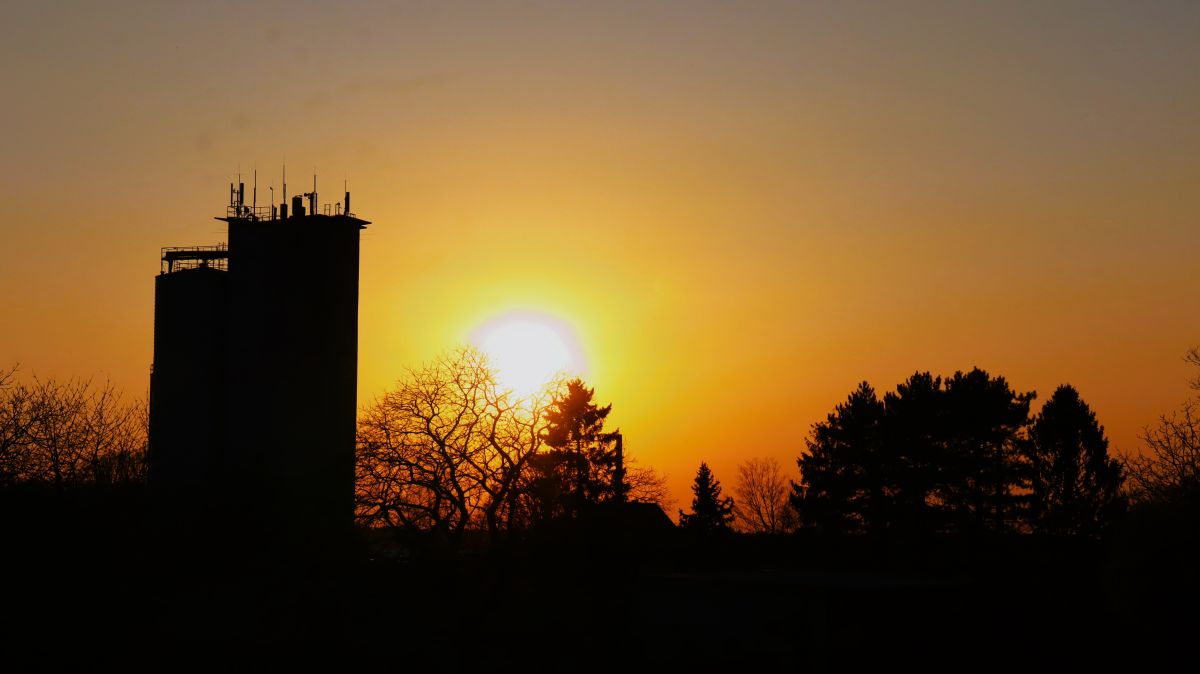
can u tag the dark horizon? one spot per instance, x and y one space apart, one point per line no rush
788 195
687 335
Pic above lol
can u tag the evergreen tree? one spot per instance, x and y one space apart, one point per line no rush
1075 486
578 469
983 468
938 454
844 483
710 512
914 428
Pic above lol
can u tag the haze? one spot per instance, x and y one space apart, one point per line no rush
743 209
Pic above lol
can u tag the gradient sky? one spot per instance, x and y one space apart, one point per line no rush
743 208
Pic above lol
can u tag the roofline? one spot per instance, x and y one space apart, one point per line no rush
351 218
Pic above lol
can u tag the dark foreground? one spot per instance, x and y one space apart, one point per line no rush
102 587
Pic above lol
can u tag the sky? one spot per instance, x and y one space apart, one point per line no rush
742 208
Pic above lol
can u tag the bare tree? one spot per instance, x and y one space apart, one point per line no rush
124 461
762 497
16 418
1193 357
1168 468
69 433
414 444
646 485
516 434
447 449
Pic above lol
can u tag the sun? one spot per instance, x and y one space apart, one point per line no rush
529 349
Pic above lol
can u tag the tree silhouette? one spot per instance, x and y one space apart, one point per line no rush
710 512
843 485
446 450
1076 487
644 484
914 421
1155 551
1168 471
983 419
449 451
762 497
64 434
935 455
578 470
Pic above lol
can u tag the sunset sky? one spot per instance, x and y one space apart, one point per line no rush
741 208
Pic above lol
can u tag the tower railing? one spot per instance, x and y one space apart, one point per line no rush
178 258
257 213
249 212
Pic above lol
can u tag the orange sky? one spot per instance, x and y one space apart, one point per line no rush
742 208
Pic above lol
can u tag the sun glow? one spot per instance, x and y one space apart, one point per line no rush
528 350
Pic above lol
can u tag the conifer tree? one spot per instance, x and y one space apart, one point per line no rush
1076 486
577 471
843 484
710 512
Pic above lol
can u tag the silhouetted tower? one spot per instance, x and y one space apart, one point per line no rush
253 391
189 384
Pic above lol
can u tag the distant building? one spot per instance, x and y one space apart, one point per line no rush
253 389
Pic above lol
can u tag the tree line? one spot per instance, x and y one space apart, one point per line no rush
65 434
960 454
964 454
448 451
